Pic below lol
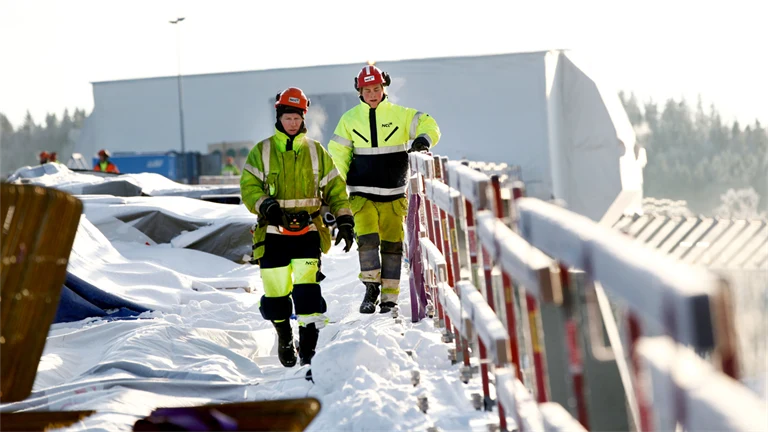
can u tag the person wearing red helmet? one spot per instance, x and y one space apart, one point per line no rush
44 157
286 179
54 158
105 165
369 147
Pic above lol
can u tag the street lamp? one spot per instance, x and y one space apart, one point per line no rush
181 98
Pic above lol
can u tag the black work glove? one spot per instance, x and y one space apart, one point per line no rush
271 210
346 226
419 144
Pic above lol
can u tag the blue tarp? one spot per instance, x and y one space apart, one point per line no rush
80 300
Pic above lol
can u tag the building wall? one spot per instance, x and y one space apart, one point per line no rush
489 108
497 108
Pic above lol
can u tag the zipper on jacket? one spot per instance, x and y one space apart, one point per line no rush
374 129
391 133
360 135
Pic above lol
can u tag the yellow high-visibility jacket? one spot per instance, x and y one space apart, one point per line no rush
299 173
369 147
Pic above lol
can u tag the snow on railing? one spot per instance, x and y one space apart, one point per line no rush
479 249
667 293
465 312
687 303
689 391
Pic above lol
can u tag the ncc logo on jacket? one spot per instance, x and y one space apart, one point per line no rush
386 124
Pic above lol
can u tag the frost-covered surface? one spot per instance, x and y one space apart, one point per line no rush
60 177
205 341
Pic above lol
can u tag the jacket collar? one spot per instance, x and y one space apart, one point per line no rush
282 139
385 102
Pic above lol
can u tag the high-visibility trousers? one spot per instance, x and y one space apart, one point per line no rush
379 227
289 271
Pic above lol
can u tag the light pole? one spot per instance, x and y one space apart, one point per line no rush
181 99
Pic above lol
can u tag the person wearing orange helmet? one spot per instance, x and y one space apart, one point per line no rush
54 158
44 157
230 168
370 148
286 179
105 165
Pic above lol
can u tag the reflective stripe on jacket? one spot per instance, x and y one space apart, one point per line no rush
299 173
369 147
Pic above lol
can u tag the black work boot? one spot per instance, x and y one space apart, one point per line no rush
368 306
286 351
386 307
307 343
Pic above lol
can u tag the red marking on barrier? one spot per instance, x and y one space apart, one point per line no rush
538 357
643 408
576 367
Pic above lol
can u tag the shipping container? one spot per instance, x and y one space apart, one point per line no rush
169 164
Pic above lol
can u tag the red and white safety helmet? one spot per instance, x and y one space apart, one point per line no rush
371 75
293 97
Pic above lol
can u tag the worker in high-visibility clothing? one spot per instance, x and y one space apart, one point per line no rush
285 180
104 164
370 148
230 169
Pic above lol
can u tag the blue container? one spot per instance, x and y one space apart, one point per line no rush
167 164
192 168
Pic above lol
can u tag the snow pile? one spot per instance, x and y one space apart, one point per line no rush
205 341
60 177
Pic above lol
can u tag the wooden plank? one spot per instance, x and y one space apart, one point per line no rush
649 283
444 197
527 266
457 314
434 259
487 325
40 231
473 185
423 164
712 401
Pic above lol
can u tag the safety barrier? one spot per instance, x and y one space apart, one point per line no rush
456 222
497 268
38 229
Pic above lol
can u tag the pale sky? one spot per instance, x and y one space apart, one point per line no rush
52 49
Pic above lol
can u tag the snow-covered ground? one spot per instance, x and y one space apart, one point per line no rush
205 341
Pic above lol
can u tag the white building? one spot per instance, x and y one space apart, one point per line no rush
537 110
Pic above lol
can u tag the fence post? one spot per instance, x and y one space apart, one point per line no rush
643 408
534 320
442 243
434 238
509 300
454 265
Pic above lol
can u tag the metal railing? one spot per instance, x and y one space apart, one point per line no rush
495 269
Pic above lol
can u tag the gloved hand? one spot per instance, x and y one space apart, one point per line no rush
346 225
271 210
419 144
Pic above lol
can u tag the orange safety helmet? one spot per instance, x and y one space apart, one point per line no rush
53 156
44 155
371 75
104 152
293 97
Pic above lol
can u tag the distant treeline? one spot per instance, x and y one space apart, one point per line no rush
19 146
694 155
